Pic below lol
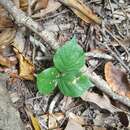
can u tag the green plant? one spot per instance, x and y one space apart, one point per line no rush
68 60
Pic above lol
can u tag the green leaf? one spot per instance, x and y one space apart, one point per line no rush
70 57
47 80
74 85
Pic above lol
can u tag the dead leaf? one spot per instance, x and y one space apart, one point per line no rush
102 101
5 22
117 79
22 4
72 125
8 62
76 118
51 120
7 36
51 7
82 11
41 4
2 11
26 68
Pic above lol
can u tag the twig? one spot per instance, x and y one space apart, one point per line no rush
99 55
52 104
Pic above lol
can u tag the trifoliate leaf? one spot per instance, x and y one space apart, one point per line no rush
70 57
47 80
73 85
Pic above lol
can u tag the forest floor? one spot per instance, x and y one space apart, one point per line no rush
24 54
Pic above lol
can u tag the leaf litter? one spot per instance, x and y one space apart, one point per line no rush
94 110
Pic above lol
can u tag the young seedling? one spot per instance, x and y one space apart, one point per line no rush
68 60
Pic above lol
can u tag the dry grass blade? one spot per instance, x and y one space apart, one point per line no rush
7 36
82 11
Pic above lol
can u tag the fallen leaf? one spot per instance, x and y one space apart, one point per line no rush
26 68
7 36
102 101
5 22
52 120
51 7
22 4
2 11
76 118
72 125
82 11
117 79
41 4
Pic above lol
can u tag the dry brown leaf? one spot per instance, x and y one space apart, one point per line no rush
102 101
26 68
82 11
7 36
117 79
2 11
5 22
22 4
41 4
52 6
8 62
